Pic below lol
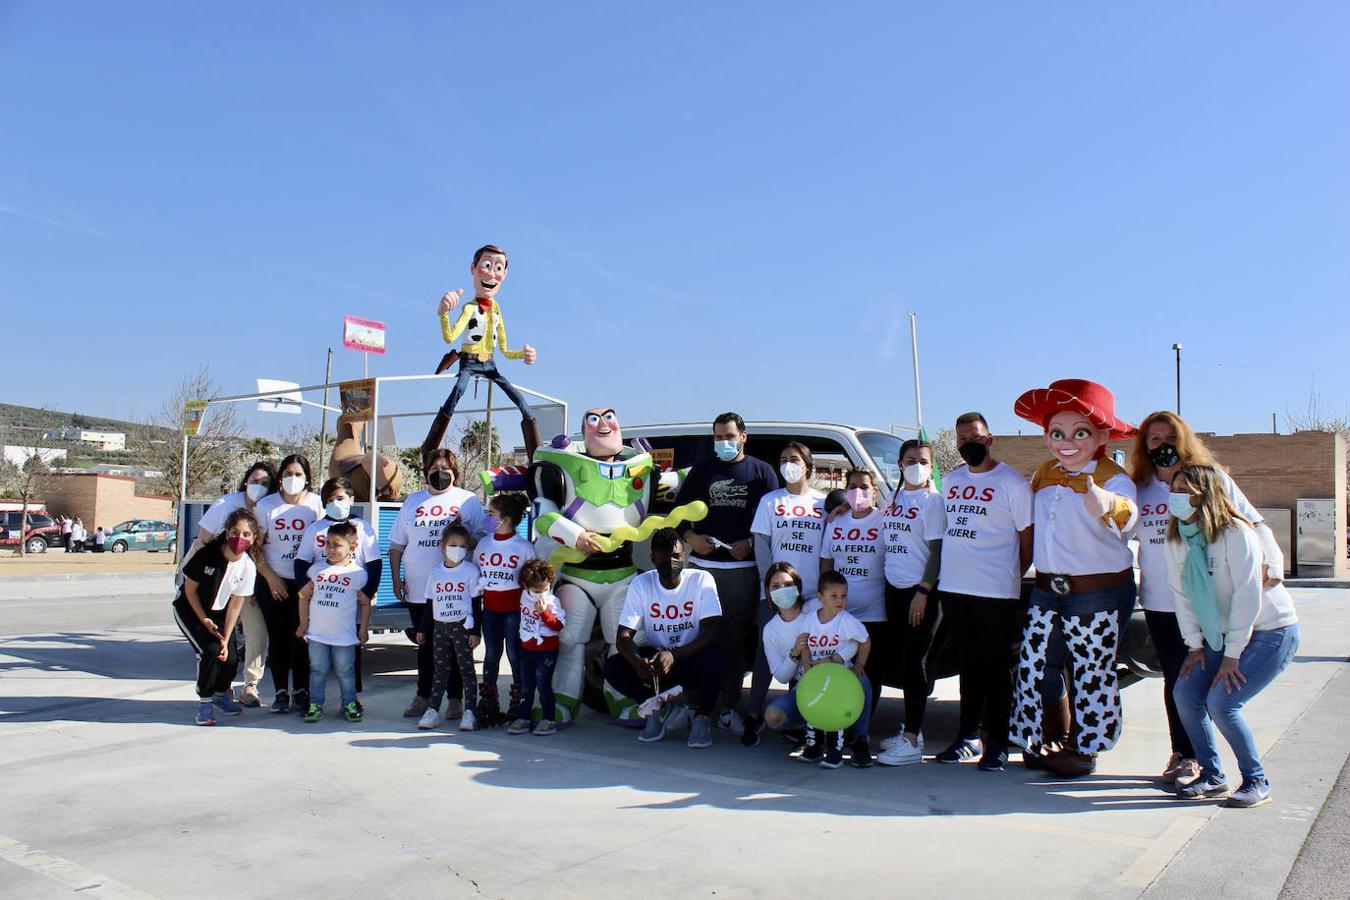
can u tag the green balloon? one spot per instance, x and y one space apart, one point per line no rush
830 696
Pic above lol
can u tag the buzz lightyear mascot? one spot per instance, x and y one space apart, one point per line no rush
591 504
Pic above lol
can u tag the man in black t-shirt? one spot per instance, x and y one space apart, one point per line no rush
731 485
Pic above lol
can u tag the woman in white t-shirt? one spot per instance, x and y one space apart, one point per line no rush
415 549
1163 445
283 517
1241 632
259 481
913 523
855 547
788 527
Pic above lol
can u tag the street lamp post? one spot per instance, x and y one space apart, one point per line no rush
1177 348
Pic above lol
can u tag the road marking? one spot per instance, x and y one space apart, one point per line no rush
1162 851
73 875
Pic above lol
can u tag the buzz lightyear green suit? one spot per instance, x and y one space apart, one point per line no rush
591 503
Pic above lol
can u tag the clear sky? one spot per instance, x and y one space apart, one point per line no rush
708 206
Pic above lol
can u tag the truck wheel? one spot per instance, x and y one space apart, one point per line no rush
36 544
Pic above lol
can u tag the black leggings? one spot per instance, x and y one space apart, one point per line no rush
426 659
213 675
915 642
287 655
1167 640
880 658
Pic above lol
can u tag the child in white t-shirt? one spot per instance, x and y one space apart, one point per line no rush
452 616
500 557
541 621
334 615
833 634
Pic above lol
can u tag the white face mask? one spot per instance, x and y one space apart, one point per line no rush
792 472
455 555
918 473
293 484
255 492
1179 505
338 509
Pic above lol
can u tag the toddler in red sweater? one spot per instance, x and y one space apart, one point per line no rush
541 619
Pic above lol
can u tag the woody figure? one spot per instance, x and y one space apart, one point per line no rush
484 331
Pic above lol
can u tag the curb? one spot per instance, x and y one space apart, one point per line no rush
1317 582
86 576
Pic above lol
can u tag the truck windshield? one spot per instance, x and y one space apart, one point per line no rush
885 452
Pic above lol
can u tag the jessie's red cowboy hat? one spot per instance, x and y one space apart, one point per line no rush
1088 398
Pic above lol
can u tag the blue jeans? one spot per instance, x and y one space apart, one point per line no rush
787 705
537 672
342 660
1201 699
500 628
488 369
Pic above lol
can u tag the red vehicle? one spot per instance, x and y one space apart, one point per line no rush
42 531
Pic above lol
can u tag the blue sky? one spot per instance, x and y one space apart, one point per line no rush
707 206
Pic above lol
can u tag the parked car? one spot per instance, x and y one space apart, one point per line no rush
42 531
140 534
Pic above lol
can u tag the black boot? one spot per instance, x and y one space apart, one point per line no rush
489 714
515 708
834 750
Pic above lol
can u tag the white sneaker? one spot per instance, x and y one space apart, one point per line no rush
897 739
730 720
454 709
902 753
467 722
430 719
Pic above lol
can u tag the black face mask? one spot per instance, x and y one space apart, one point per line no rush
670 569
439 479
1164 456
973 453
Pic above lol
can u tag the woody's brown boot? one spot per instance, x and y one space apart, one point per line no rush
529 429
435 433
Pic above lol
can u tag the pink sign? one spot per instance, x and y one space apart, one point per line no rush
365 335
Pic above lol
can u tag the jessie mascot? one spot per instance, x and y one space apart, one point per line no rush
1084 511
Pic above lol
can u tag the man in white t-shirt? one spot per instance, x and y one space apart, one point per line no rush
677 614
985 550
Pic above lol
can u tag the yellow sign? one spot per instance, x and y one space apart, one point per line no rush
193 410
664 457
357 399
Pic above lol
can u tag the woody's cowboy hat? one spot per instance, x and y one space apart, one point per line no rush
1088 398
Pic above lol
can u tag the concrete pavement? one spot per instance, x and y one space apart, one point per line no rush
107 783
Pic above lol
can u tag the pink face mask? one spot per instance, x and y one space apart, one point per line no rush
239 545
859 498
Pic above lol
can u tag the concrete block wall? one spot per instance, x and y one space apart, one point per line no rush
104 500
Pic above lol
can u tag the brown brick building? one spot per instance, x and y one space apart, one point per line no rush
1273 470
104 500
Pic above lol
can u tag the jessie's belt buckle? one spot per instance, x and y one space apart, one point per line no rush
1060 585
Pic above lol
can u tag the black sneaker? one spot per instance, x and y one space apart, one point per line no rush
300 702
750 736
834 750
283 703
993 760
860 754
814 748
960 751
